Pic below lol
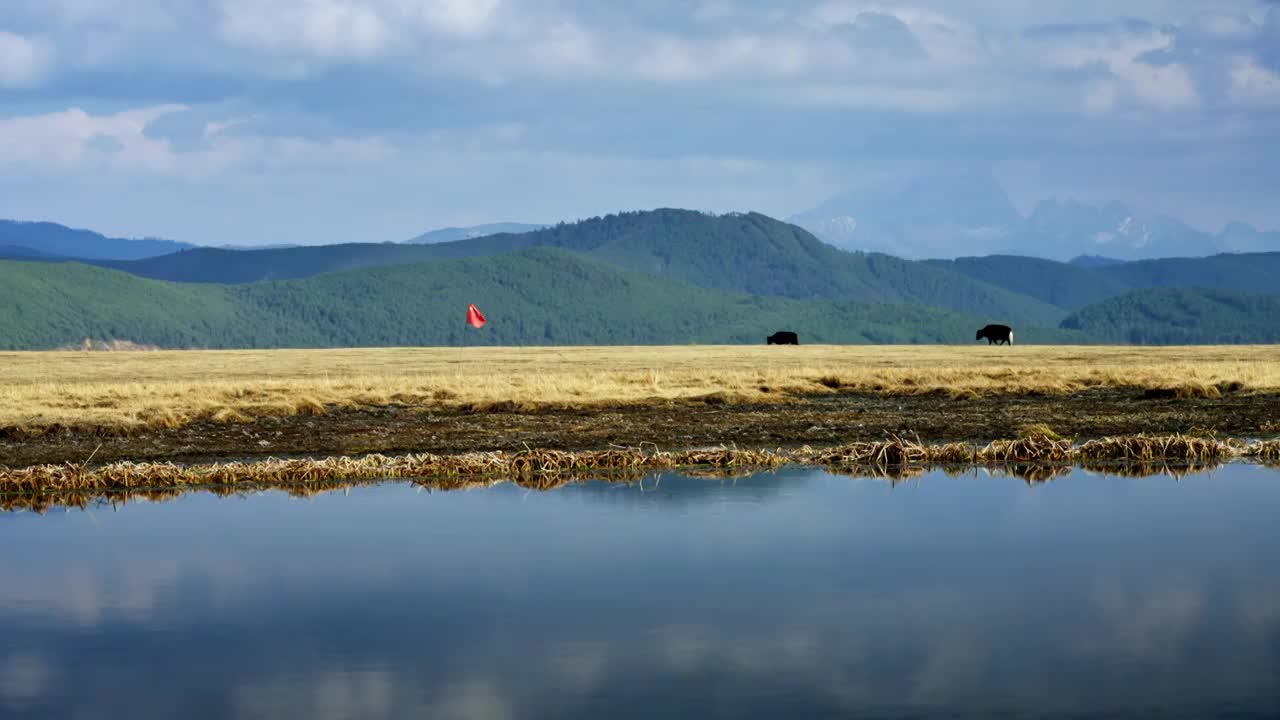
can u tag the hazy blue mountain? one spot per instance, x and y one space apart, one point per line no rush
931 216
1247 273
1072 286
1066 229
1060 284
18 252
1238 237
1094 261
959 215
52 239
451 234
268 246
219 265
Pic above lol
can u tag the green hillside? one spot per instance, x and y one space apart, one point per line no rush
44 305
1177 316
1060 284
1072 286
1248 273
538 296
748 253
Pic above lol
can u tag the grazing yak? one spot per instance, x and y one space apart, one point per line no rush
996 334
783 337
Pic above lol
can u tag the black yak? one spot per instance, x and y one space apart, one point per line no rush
783 337
996 334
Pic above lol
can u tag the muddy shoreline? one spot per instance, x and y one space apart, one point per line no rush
816 421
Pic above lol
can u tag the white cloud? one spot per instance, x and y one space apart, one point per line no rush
668 58
75 139
452 17
1252 84
351 28
1101 97
1227 26
1167 86
328 28
944 38
24 62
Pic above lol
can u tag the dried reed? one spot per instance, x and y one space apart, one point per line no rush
1034 457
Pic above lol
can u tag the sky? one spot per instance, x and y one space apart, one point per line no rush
309 121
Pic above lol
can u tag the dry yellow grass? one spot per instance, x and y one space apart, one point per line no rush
169 388
1034 458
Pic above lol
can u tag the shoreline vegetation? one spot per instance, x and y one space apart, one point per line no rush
1037 456
121 394
118 419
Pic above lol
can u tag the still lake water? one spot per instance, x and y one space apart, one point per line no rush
792 594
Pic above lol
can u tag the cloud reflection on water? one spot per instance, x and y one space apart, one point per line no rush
791 593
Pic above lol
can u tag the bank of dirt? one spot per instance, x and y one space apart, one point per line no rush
816 421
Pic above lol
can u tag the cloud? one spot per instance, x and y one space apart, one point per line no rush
350 28
881 35
836 84
1253 84
74 139
451 17
1127 54
24 62
328 28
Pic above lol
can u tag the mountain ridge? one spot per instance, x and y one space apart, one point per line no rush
536 296
947 216
54 239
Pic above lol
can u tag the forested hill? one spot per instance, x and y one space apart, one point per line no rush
756 272
533 297
1072 286
1181 316
748 253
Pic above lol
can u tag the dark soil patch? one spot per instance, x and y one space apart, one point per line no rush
820 420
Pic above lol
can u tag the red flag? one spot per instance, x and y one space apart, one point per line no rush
474 318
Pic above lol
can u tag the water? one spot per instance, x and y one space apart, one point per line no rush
795 594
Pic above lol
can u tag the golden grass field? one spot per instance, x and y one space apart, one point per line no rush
171 388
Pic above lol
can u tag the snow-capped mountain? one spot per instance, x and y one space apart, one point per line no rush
958 215
926 216
1065 229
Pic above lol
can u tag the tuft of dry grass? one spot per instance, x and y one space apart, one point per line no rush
1033 458
126 391
1145 448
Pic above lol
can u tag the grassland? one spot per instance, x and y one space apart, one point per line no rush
204 405
138 390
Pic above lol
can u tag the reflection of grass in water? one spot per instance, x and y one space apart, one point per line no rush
532 463
117 393
1030 473
1033 457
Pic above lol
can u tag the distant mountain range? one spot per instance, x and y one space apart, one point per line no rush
51 239
941 216
660 276
950 216
451 234
537 296
749 253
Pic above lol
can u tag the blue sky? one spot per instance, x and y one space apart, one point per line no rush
241 121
